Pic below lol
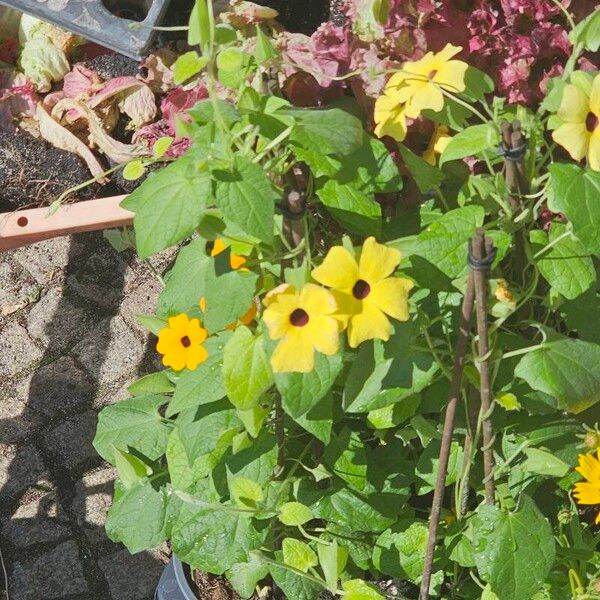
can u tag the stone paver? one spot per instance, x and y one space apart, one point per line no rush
69 345
54 574
17 350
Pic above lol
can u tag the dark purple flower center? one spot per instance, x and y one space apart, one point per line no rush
361 289
299 318
185 341
591 122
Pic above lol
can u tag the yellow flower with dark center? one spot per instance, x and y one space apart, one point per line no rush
303 322
439 142
364 290
236 262
420 84
588 492
579 133
181 343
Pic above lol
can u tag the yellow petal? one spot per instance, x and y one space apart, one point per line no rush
593 156
179 324
283 295
451 76
294 353
324 334
448 52
429 97
377 261
589 467
594 104
316 300
176 360
249 315
574 138
339 269
369 324
391 296
196 332
587 493
394 127
574 106
194 356
218 247
277 323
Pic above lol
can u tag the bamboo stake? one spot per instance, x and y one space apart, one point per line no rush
482 250
460 353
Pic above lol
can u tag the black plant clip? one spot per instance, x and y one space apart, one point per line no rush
484 263
513 154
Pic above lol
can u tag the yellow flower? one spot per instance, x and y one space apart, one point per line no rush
302 320
390 118
588 492
181 343
236 262
439 142
580 132
364 290
420 83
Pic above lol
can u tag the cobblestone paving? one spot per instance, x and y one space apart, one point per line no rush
69 345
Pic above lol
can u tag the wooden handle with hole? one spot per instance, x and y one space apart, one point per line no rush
24 227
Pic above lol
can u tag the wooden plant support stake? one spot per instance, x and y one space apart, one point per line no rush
460 353
24 227
481 256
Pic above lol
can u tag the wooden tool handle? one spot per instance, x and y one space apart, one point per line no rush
24 227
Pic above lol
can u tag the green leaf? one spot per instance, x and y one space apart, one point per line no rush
444 243
299 555
169 204
246 369
478 83
196 275
384 374
247 198
203 112
293 584
203 385
469 142
213 540
183 472
151 323
253 419
245 492
566 369
332 559
357 589
400 551
134 423
294 514
133 170
161 146
575 192
187 65
137 517
264 48
426 176
392 415
318 421
302 391
542 462
354 209
427 466
375 512
514 551
244 577
131 470
154 383
567 267
326 131
199 25
587 32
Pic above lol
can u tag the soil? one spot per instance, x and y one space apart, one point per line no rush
34 173
300 17
113 65
214 587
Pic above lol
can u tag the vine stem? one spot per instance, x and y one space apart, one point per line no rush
482 247
455 388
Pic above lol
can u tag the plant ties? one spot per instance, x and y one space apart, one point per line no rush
514 154
293 215
484 263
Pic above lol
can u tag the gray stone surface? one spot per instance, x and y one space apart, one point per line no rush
92 500
131 577
70 325
54 574
17 350
110 351
71 439
69 345
38 521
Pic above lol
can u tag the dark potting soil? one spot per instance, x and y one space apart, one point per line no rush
34 173
113 65
300 16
